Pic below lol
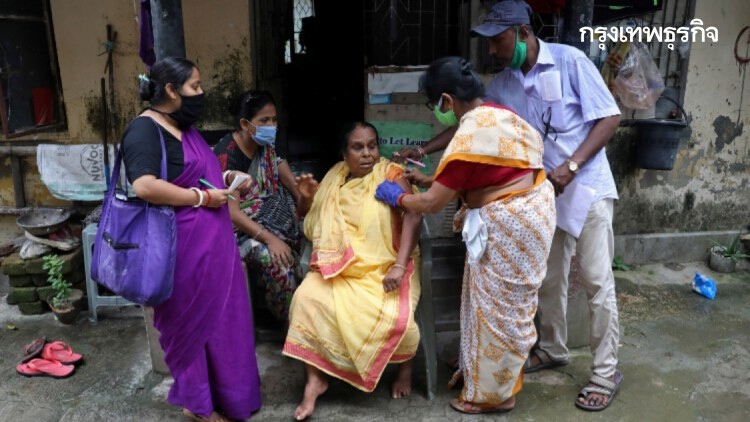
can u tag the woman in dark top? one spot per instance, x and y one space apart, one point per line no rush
206 327
267 216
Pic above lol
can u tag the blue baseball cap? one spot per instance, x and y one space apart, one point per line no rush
502 16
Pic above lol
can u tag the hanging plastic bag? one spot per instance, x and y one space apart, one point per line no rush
639 83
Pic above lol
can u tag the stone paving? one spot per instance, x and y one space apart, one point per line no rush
685 358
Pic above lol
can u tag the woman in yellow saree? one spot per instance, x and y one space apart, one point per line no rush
494 163
354 311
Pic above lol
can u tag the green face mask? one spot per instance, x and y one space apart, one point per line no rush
519 55
446 119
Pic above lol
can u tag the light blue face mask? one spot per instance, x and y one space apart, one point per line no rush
265 136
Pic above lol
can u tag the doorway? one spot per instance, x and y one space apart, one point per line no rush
319 83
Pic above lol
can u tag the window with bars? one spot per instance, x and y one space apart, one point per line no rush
414 32
673 13
302 11
29 87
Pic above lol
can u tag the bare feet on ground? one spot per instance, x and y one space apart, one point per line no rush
317 384
213 417
476 409
402 385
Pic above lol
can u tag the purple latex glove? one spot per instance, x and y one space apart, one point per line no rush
389 192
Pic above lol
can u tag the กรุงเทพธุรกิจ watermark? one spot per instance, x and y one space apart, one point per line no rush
639 33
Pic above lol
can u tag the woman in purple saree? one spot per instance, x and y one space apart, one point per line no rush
206 325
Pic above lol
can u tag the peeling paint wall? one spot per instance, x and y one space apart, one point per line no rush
216 39
709 187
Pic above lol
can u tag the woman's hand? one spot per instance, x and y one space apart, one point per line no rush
392 280
306 185
416 177
245 186
215 198
389 192
406 152
279 250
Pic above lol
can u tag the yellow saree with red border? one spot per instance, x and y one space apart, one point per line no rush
341 319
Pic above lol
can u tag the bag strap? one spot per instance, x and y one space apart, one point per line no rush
118 161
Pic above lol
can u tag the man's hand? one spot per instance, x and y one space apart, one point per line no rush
561 177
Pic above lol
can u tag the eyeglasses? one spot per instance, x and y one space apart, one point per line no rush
547 126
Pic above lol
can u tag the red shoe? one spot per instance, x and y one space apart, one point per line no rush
45 368
61 352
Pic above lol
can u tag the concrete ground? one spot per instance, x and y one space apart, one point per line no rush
685 358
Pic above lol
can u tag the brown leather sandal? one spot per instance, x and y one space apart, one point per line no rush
33 349
545 362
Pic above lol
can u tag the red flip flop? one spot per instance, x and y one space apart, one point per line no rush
45 368
61 352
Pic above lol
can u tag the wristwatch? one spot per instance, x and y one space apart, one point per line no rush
573 167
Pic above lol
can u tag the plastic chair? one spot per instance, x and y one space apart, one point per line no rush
425 317
92 288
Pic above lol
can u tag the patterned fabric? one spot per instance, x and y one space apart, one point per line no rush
499 296
269 204
587 99
492 135
341 319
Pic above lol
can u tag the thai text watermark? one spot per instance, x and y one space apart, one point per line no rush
639 33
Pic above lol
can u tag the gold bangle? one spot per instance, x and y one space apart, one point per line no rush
399 266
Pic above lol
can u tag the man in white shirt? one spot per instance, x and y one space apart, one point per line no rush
575 129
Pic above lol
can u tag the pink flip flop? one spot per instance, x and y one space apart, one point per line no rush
44 368
61 352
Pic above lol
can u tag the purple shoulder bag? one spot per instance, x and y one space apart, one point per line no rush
134 250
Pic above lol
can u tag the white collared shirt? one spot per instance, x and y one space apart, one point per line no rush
585 100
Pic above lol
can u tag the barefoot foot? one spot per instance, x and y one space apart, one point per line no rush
213 417
402 385
317 384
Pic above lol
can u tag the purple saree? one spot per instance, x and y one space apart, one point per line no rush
206 326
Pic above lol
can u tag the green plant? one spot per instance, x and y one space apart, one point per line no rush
732 250
617 264
53 265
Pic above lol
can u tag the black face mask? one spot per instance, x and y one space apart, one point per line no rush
190 110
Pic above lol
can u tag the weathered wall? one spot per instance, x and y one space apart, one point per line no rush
709 187
217 39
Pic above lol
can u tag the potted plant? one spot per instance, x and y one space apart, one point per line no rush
723 258
65 299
